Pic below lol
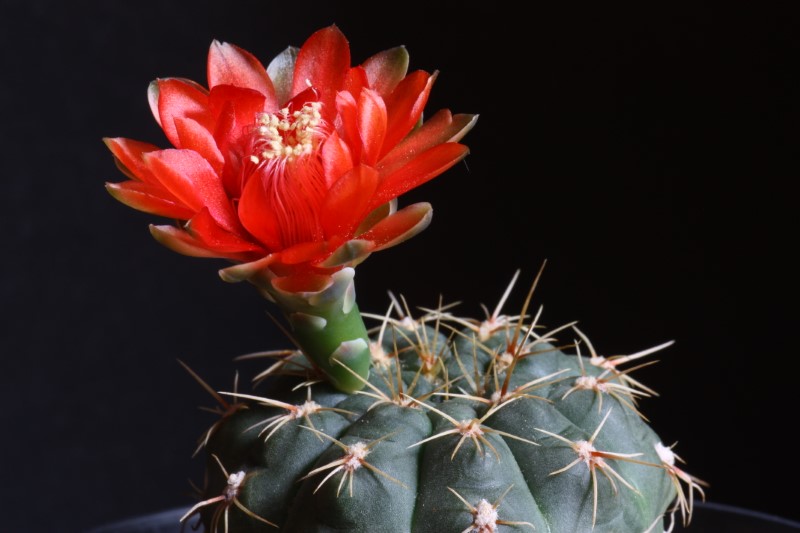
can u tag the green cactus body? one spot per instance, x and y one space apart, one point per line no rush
443 439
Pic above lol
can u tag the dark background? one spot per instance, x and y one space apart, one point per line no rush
648 156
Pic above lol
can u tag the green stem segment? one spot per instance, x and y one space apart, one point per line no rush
333 339
330 330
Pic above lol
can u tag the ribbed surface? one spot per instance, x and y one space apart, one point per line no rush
402 486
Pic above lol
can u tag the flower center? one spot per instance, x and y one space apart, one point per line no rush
287 134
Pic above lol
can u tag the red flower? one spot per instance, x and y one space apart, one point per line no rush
293 168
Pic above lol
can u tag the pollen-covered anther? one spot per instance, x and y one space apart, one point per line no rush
286 134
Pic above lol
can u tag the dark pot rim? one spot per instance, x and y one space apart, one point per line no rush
706 513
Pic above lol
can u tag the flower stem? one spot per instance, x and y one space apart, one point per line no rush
328 337
329 329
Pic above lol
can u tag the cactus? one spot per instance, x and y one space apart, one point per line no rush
434 422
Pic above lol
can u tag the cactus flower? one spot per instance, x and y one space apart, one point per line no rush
292 171
294 166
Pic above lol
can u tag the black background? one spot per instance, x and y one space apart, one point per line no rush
648 155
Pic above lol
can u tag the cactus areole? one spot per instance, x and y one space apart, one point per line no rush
431 423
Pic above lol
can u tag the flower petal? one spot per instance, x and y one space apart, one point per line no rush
257 214
205 229
303 252
234 110
192 180
307 285
129 155
377 214
439 129
400 226
336 158
323 61
422 168
149 198
371 125
347 123
347 203
246 271
230 65
195 137
386 69
181 98
351 253
179 241
152 100
281 72
405 105
356 80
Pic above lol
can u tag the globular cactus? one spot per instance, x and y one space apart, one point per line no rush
292 172
463 426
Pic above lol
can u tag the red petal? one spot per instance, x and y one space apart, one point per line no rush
336 159
405 105
356 80
323 61
302 282
348 202
347 123
235 110
400 226
257 215
230 65
179 241
179 98
422 168
303 252
386 69
439 129
371 125
206 230
195 137
192 180
242 104
129 155
149 198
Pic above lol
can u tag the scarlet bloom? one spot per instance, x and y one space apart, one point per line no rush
295 168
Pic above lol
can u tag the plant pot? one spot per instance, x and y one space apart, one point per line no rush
707 518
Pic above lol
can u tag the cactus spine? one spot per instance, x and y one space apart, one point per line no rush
463 425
